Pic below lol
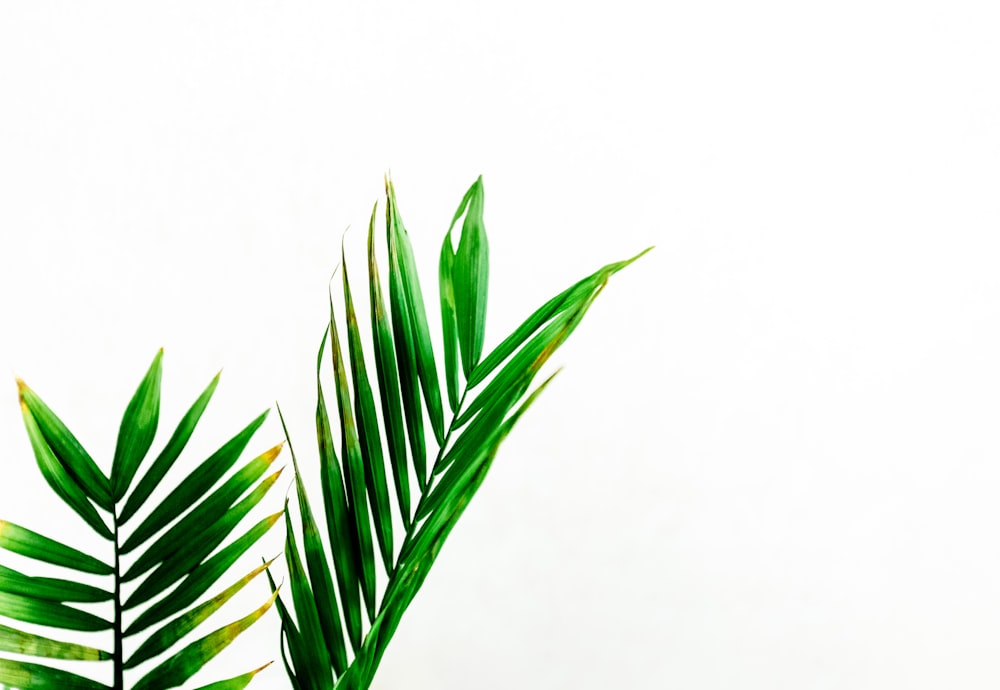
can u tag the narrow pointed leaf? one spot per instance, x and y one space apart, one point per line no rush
237 683
449 325
567 299
305 610
201 578
402 262
138 428
28 676
194 486
191 529
34 545
354 476
20 642
67 449
49 588
368 432
181 666
471 278
300 672
320 578
340 526
164 638
57 477
171 570
165 460
388 382
50 613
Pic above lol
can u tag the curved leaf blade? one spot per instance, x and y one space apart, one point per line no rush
51 589
49 613
57 477
25 542
67 449
237 683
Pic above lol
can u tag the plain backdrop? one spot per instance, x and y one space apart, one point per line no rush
772 459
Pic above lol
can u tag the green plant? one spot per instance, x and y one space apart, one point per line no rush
330 644
179 556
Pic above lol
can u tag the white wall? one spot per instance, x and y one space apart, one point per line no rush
771 461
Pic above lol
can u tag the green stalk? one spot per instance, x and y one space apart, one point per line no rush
119 654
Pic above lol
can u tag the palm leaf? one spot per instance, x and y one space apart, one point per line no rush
178 549
486 396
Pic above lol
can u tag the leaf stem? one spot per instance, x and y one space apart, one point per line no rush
119 657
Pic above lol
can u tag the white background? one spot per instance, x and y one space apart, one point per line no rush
772 458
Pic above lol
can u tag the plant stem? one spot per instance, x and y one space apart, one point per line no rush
119 658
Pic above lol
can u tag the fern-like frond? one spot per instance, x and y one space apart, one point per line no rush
329 643
163 565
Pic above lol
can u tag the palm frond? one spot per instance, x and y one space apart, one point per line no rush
328 642
176 549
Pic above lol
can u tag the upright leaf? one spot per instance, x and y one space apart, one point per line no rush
137 429
471 277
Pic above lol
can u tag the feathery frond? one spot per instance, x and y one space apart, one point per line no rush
173 550
329 643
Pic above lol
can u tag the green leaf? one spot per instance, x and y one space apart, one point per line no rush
165 460
319 573
302 675
50 613
339 523
449 325
368 432
316 650
33 545
28 676
194 486
50 588
65 486
181 666
189 533
568 299
404 266
354 478
237 683
138 428
171 570
201 578
164 638
20 642
471 277
67 450
388 382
